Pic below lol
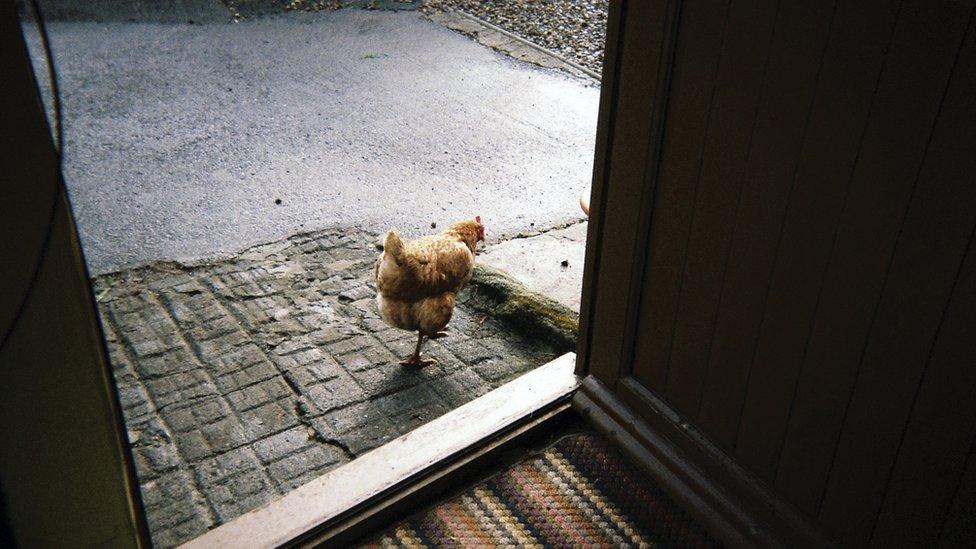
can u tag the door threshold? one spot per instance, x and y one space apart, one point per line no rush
344 501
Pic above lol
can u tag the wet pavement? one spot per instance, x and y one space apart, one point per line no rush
182 137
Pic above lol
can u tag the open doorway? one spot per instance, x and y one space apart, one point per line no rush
231 167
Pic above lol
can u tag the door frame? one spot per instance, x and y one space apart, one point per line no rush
633 101
67 472
730 502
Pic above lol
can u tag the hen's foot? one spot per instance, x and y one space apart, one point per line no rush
438 335
418 362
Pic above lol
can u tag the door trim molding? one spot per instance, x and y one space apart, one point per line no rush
719 494
641 40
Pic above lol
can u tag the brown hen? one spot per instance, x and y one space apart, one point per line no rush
417 282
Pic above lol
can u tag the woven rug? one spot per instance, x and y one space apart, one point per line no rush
581 492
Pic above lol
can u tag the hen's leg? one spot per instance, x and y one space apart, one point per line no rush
415 359
440 333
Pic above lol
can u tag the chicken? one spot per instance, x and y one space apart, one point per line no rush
417 282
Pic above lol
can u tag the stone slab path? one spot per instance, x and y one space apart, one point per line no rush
245 378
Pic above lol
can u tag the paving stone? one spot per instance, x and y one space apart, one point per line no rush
305 356
180 388
349 345
219 468
357 293
366 358
473 350
156 460
185 285
241 376
402 348
282 444
262 310
153 448
341 331
240 494
366 308
302 466
193 446
245 378
128 304
259 394
150 346
224 434
177 360
299 371
204 428
190 417
498 369
171 536
410 408
460 387
269 418
385 378
133 397
182 282
444 354
336 393
212 349
175 511
234 483
210 329
359 426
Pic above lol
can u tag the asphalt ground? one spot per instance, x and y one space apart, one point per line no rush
190 136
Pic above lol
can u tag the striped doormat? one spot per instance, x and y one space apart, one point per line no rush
581 492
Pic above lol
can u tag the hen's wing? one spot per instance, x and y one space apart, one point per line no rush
429 266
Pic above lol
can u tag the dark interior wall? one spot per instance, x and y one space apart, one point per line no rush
64 467
6 532
804 288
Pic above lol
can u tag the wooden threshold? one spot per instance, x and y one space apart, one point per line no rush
318 511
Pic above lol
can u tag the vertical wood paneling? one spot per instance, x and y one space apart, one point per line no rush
959 527
801 280
731 122
891 151
692 83
720 392
860 37
943 421
780 126
929 252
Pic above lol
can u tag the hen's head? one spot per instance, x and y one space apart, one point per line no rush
471 231
481 228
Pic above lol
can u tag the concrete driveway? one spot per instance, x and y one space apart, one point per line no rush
183 137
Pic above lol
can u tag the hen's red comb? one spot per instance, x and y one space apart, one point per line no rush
477 218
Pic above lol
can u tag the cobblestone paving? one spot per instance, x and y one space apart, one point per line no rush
243 379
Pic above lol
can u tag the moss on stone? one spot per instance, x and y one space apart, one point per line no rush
539 315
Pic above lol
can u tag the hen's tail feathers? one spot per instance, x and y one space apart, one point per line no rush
393 247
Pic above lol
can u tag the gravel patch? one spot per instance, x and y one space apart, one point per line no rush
576 29
246 9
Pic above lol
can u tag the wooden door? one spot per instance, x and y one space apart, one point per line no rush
782 272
